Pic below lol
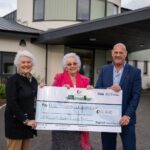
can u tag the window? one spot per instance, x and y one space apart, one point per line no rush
83 10
38 13
97 9
7 67
145 69
60 10
135 63
112 9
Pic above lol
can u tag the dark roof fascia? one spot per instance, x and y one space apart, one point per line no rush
125 9
18 34
99 24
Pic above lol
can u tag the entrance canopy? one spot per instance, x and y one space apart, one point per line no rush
131 28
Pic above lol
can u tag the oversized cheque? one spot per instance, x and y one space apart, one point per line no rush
78 109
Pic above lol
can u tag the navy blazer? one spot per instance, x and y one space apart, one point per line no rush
130 84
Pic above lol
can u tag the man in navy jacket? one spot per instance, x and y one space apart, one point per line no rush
121 76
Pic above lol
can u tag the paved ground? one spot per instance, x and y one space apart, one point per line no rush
43 141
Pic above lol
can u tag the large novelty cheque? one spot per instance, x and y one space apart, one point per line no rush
78 109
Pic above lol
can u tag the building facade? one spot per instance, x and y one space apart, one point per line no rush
52 14
56 15
141 59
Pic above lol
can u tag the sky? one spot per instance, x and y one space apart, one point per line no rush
135 4
7 6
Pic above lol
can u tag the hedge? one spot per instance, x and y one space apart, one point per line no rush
2 91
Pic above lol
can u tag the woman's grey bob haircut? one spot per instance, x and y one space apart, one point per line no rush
71 55
23 53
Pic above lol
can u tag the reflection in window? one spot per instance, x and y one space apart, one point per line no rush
7 67
60 10
135 63
112 9
83 10
38 10
97 9
145 69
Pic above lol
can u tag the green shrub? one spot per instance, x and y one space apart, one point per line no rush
2 91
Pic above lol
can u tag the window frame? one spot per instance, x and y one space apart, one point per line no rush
2 54
43 15
145 68
77 11
107 3
135 63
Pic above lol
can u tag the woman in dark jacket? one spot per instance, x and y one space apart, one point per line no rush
21 91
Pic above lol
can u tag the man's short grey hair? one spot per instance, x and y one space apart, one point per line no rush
23 53
71 55
120 45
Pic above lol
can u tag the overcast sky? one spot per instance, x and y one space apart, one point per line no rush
7 6
135 4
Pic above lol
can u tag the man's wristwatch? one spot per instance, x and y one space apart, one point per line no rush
26 121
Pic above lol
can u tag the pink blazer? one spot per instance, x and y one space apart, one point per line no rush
64 78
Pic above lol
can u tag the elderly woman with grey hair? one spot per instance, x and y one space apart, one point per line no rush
21 91
71 140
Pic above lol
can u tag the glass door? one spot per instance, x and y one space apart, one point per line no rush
87 61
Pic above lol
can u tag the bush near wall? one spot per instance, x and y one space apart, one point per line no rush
2 94
2 91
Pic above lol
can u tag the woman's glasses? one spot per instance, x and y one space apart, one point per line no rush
72 64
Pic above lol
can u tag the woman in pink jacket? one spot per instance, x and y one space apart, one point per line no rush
71 140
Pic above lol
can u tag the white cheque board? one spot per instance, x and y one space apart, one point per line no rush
78 109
